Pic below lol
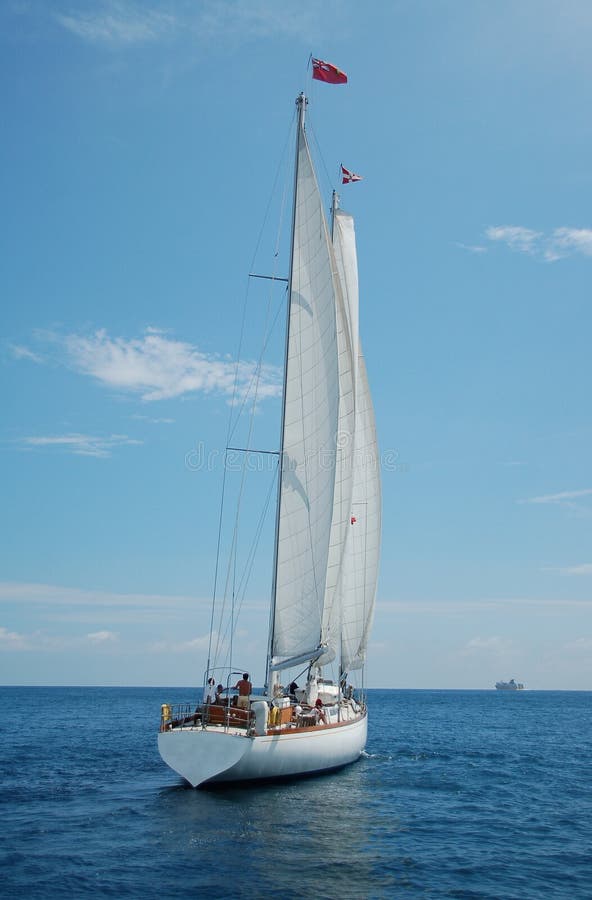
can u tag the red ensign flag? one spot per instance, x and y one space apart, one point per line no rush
324 71
348 176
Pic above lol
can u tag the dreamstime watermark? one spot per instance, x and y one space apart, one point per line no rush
200 459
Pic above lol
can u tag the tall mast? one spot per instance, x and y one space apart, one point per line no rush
334 206
301 102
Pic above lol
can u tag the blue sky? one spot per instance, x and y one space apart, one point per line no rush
140 145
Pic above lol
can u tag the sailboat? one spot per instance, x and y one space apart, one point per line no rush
327 531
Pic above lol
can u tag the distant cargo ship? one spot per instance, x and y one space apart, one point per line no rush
510 685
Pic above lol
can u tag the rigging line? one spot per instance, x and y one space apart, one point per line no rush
242 586
254 257
271 329
216 567
254 375
231 427
245 450
243 583
232 561
319 155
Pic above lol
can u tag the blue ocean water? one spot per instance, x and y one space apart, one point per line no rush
463 794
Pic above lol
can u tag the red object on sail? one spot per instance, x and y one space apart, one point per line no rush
353 520
327 72
348 176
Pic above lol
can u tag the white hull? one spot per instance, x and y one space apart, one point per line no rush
212 754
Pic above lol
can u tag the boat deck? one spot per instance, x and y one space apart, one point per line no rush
242 722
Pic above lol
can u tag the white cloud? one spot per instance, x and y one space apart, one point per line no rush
494 645
524 240
123 23
580 647
583 569
10 640
564 498
471 248
424 608
54 595
102 637
158 367
254 19
152 421
558 244
566 241
80 444
117 23
20 352
197 643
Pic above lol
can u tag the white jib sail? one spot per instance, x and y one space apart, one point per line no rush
360 565
347 340
359 568
310 426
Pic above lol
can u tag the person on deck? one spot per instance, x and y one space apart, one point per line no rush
219 691
209 691
320 712
244 688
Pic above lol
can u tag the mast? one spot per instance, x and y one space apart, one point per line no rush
301 103
334 206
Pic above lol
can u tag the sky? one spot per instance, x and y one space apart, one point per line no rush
140 147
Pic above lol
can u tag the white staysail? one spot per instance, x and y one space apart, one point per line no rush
359 569
310 426
342 498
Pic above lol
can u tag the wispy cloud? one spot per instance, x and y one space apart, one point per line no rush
581 646
153 421
117 23
22 592
471 248
487 604
563 498
582 569
102 637
189 646
79 444
157 367
524 240
124 23
11 640
494 645
20 352
558 244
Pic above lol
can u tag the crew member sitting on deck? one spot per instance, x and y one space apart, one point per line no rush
320 712
244 688
219 698
209 691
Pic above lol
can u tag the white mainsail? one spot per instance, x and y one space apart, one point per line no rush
310 426
359 569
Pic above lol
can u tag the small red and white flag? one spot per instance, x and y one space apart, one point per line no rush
347 177
327 72
353 520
